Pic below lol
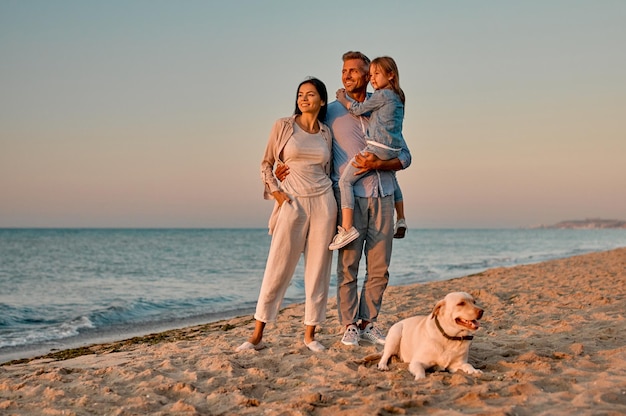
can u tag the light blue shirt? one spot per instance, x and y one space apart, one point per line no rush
349 138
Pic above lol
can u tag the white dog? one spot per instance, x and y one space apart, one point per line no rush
440 340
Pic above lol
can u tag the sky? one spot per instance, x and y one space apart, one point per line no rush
150 113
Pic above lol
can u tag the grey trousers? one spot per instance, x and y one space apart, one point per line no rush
373 217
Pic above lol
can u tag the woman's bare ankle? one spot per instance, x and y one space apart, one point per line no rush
255 339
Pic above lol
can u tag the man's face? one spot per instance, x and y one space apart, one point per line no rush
354 76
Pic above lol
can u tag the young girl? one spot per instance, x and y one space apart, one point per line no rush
384 139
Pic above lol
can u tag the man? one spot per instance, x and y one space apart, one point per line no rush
373 210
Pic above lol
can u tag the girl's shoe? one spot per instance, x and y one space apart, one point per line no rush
400 229
343 238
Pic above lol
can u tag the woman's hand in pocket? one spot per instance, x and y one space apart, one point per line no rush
281 197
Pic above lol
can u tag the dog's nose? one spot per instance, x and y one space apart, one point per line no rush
480 313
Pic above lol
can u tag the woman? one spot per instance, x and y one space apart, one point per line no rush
304 216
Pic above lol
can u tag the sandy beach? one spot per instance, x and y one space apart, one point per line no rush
552 342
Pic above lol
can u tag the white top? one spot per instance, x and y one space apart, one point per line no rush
306 155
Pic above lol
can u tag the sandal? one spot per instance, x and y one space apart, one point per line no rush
315 346
250 346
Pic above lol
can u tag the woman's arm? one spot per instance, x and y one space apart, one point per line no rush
269 159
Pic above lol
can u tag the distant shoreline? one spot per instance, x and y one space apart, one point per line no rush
586 224
591 223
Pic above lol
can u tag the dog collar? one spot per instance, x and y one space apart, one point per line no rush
464 338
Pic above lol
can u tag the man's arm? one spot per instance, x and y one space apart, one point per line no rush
369 161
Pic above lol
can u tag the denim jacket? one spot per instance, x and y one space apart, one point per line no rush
348 140
387 114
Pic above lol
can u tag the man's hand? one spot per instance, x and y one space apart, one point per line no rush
281 172
365 162
369 161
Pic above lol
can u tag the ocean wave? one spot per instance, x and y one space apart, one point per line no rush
144 310
50 333
24 326
59 284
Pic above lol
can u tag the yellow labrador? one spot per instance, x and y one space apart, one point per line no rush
441 339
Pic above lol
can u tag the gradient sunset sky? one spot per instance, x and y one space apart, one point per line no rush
156 113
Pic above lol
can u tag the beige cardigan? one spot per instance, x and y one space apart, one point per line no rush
280 134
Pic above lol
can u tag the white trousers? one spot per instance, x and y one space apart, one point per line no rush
304 226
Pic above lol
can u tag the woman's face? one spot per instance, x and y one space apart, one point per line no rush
309 100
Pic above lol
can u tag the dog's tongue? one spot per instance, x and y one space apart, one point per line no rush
473 325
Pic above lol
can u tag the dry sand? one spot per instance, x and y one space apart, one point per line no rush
552 342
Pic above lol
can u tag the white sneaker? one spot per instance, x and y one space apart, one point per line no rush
343 238
400 229
372 334
351 336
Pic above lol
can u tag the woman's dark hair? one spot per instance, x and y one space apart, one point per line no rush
321 90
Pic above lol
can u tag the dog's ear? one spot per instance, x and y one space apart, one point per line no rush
438 306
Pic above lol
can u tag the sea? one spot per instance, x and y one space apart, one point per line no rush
65 288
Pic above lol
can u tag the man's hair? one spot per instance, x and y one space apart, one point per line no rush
356 55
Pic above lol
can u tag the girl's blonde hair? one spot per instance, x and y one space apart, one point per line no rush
389 67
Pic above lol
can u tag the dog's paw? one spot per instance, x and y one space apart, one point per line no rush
469 369
383 367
